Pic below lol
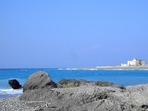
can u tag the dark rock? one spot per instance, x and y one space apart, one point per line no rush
103 83
39 80
120 86
65 83
106 84
14 84
144 106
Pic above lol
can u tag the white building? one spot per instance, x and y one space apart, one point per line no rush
135 62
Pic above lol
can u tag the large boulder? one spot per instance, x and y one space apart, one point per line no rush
14 84
39 80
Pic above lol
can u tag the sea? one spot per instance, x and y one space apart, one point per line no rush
123 77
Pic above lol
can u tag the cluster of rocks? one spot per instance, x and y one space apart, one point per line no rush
40 93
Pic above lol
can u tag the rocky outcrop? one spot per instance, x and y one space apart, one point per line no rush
83 98
14 84
39 80
41 94
65 83
108 84
74 95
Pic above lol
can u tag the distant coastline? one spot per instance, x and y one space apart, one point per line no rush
110 68
135 64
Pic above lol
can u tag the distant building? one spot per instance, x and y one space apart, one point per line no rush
135 62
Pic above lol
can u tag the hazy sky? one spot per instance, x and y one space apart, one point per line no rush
72 33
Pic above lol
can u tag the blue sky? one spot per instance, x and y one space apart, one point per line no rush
72 33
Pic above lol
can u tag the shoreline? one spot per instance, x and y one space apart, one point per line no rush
110 68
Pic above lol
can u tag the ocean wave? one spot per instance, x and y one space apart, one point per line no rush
11 91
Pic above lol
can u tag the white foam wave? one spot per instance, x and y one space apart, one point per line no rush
11 91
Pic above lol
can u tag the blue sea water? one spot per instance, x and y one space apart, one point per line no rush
124 77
